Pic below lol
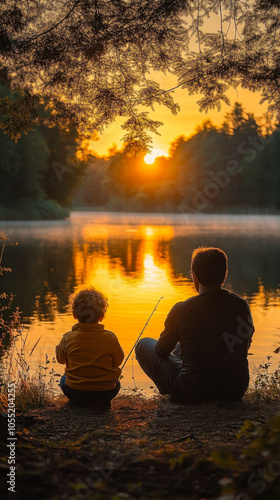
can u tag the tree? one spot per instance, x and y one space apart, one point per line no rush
21 167
89 61
65 171
39 174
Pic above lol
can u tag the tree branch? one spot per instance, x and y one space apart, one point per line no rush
161 92
32 39
222 30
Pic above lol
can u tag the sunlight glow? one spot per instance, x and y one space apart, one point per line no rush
149 231
149 159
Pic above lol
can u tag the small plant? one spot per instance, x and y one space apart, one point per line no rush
266 384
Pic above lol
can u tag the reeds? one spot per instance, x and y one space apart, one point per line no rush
34 387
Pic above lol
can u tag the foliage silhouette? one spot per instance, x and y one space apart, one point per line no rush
93 60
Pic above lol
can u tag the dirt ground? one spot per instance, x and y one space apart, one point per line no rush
140 449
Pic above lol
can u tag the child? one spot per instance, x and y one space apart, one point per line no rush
91 353
201 354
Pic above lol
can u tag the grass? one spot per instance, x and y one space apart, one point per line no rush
34 389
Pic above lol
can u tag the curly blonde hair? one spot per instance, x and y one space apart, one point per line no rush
88 305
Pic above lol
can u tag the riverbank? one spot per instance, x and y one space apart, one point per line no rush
147 449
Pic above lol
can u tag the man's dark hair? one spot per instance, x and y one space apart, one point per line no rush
210 265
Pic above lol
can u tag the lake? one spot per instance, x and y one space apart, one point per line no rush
134 259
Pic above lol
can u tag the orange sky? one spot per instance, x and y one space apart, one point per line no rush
185 121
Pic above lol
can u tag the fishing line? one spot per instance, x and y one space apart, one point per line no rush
155 308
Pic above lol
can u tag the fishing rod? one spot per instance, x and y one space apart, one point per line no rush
155 308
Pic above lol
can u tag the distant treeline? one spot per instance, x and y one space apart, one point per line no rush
33 180
234 167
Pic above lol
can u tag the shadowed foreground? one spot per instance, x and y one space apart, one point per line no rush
145 448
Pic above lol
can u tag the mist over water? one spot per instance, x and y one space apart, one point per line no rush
134 259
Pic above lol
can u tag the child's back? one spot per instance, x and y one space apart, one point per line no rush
92 354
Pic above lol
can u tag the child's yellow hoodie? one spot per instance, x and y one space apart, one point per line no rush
92 356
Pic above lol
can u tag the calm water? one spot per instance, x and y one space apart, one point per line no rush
135 259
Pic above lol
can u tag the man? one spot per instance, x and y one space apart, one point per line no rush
201 354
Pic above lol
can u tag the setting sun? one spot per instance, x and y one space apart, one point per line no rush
156 152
